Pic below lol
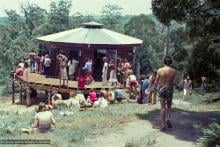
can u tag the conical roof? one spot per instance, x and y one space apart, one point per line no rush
91 33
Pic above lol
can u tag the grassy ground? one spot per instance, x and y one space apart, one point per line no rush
76 129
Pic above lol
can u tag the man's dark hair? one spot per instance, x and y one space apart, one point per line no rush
167 60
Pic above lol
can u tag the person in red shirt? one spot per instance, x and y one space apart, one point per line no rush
92 96
81 81
19 71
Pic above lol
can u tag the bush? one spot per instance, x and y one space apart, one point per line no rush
211 137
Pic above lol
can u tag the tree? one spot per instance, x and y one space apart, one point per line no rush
34 16
111 15
202 21
59 14
150 53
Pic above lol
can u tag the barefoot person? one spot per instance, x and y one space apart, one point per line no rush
187 87
43 119
63 72
104 72
165 82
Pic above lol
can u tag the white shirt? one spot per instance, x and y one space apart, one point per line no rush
72 67
101 102
21 65
105 67
80 98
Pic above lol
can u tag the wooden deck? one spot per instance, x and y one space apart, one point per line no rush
41 82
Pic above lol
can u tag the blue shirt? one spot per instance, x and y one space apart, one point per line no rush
118 93
145 84
88 66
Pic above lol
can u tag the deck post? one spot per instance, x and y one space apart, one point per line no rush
13 90
20 94
49 96
28 98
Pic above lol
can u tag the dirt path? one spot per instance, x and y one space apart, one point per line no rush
138 133
187 129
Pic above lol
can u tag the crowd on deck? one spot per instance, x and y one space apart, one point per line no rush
144 90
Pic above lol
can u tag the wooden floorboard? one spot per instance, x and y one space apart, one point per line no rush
41 82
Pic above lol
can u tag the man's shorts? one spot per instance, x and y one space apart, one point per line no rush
166 92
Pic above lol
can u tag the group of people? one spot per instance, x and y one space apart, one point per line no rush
44 119
159 82
38 62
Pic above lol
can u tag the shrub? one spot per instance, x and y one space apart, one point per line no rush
211 137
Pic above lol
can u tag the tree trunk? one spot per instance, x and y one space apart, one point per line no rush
167 45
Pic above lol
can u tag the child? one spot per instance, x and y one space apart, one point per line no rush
101 102
81 99
111 96
88 71
118 95
92 96
144 84
56 99
81 81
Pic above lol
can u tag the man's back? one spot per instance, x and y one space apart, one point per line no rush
166 76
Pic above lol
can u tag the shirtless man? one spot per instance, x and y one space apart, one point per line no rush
165 82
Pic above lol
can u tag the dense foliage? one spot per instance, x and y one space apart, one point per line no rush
202 20
211 136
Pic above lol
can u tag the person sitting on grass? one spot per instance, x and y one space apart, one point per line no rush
111 96
56 99
43 119
118 95
78 96
92 97
101 102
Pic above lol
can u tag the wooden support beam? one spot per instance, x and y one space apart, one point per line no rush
28 98
20 94
13 91
49 97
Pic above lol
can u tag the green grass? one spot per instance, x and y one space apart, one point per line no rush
74 130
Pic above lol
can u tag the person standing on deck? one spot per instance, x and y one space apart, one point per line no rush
104 72
120 71
63 72
165 82
31 57
113 78
72 64
47 63
88 68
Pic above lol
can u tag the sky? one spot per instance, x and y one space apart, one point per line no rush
85 7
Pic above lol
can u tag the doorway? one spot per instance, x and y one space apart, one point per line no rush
98 64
